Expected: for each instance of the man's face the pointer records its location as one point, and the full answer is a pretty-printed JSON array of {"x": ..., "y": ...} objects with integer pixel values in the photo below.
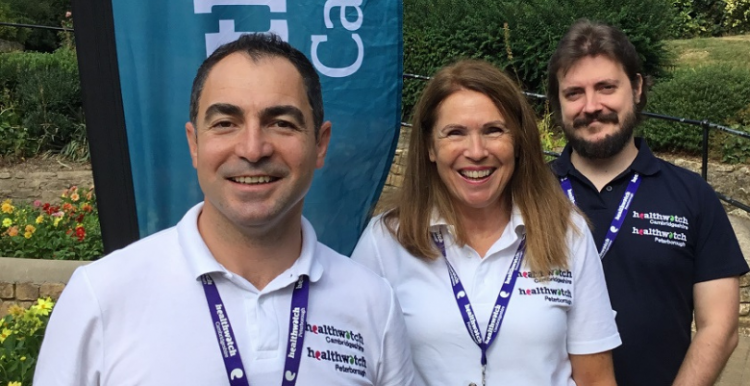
[
  {"x": 597, "y": 103},
  {"x": 253, "y": 143}
]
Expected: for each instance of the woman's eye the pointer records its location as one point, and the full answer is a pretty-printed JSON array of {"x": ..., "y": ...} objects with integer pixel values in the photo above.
[{"x": 496, "y": 130}]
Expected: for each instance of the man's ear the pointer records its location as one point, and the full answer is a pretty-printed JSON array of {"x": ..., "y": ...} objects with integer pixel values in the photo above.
[
  {"x": 192, "y": 137},
  {"x": 638, "y": 89},
  {"x": 324, "y": 138}
]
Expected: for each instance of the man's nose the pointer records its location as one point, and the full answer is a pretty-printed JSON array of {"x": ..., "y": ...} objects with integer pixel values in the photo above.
[
  {"x": 253, "y": 144},
  {"x": 593, "y": 104}
]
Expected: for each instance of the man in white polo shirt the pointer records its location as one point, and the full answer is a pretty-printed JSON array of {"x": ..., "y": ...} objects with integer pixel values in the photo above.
[{"x": 239, "y": 292}]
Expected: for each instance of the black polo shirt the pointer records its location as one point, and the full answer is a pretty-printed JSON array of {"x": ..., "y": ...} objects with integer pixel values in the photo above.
[{"x": 675, "y": 234}]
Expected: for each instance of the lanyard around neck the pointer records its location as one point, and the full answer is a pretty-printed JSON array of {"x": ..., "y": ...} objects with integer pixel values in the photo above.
[
  {"x": 622, "y": 209},
  {"x": 501, "y": 304},
  {"x": 228, "y": 344}
]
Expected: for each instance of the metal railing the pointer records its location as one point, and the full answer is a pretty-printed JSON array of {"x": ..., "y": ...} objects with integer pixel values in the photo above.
[
  {"x": 34, "y": 26},
  {"x": 705, "y": 125}
]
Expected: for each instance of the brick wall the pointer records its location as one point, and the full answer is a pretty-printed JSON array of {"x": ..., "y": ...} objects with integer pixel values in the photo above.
[{"x": 25, "y": 294}]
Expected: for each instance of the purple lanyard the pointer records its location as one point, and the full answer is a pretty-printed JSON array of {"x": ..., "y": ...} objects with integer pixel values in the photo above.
[
  {"x": 228, "y": 344},
  {"x": 622, "y": 209},
  {"x": 501, "y": 305}
]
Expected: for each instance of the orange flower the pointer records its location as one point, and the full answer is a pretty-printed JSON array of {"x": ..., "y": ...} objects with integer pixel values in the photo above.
[
  {"x": 67, "y": 206},
  {"x": 75, "y": 197},
  {"x": 86, "y": 208},
  {"x": 13, "y": 231}
]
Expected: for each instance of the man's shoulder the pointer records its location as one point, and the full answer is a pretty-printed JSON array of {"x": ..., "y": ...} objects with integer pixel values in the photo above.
[
  {"x": 148, "y": 255},
  {"x": 674, "y": 176}
]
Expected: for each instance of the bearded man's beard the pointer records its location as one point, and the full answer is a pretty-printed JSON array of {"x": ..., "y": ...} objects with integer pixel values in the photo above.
[{"x": 611, "y": 145}]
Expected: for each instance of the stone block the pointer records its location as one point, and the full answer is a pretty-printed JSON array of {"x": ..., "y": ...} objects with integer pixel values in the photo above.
[
  {"x": 52, "y": 290},
  {"x": 27, "y": 292},
  {"x": 744, "y": 309},
  {"x": 744, "y": 294},
  {"x": 84, "y": 175},
  {"x": 26, "y": 305},
  {"x": 42, "y": 175},
  {"x": 4, "y": 306},
  {"x": 7, "y": 291},
  {"x": 745, "y": 280},
  {"x": 5, "y": 176}
]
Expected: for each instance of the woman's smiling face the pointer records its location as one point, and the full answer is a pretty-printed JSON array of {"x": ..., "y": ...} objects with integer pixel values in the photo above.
[{"x": 473, "y": 150}]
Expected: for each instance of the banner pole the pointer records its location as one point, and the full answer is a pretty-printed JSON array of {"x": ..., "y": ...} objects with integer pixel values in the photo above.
[{"x": 105, "y": 122}]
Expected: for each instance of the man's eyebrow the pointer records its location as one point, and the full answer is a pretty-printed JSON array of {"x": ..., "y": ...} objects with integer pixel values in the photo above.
[
  {"x": 275, "y": 111},
  {"x": 223, "y": 109}
]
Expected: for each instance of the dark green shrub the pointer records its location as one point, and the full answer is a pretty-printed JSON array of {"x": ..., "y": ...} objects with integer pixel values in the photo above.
[
  {"x": 38, "y": 12},
  {"x": 717, "y": 93},
  {"x": 44, "y": 91},
  {"x": 694, "y": 18},
  {"x": 518, "y": 35}
]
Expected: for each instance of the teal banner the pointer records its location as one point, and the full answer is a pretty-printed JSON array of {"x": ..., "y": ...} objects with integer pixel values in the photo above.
[{"x": 356, "y": 46}]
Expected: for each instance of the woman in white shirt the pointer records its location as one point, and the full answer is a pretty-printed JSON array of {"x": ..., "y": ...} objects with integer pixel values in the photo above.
[{"x": 495, "y": 271}]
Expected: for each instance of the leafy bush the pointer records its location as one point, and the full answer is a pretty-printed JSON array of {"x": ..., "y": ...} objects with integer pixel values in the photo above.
[
  {"x": 43, "y": 89},
  {"x": 21, "y": 334},
  {"x": 695, "y": 18},
  {"x": 717, "y": 93},
  {"x": 39, "y": 12},
  {"x": 518, "y": 35},
  {"x": 68, "y": 231}
]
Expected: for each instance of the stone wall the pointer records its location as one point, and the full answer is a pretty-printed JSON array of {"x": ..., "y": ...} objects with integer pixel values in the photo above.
[
  {"x": 23, "y": 281},
  {"x": 731, "y": 180},
  {"x": 42, "y": 180}
]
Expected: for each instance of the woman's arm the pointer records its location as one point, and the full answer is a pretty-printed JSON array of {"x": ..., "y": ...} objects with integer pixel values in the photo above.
[{"x": 593, "y": 369}]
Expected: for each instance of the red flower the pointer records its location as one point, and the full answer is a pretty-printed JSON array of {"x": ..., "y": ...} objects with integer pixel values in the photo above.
[
  {"x": 80, "y": 217},
  {"x": 67, "y": 207},
  {"x": 80, "y": 233}
]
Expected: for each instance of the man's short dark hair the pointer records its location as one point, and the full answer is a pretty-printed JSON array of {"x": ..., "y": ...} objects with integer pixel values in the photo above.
[
  {"x": 589, "y": 39},
  {"x": 259, "y": 46}
]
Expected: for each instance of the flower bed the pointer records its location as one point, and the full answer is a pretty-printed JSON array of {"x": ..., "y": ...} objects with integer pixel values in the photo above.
[
  {"x": 21, "y": 334},
  {"x": 66, "y": 231}
]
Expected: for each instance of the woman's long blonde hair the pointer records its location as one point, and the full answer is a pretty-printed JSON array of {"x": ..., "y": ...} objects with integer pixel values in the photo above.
[{"x": 545, "y": 209}]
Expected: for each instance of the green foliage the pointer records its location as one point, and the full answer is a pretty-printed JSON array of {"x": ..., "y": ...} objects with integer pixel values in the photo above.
[
  {"x": 37, "y": 12},
  {"x": 717, "y": 93},
  {"x": 737, "y": 16},
  {"x": 518, "y": 35},
  {"x": 710, "y": 18},
  {"x": 66, "y": 231},
  {"x": 21, "y": 334},
  {"x": 43, "y": 89}
]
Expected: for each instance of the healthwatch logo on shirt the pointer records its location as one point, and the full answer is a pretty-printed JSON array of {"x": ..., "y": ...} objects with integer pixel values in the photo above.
[
  {"x": 341, "y": 337},
  {"x": 669, "y": 220},
  {"x": 345, "y": 363},
  {"x": 662, "y": 237}
]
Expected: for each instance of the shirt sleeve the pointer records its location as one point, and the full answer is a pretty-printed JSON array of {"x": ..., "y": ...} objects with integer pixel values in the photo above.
[
  {"x": 591, "y": 321},
  {"x": 717, "y": 252},
  {"x": 396, "y": 368},
  {"x": 72, "y": 349},
  {"x": 366, "y": 252}
]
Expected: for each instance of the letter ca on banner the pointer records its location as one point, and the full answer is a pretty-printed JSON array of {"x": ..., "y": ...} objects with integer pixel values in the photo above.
[{"x": 280, "y": 26}]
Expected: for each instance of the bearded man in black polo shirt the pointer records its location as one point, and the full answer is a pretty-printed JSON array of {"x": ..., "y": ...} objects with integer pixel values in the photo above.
[{"x": 667, "y": 246}]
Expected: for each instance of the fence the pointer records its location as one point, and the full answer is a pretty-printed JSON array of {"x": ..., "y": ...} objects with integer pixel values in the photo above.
[{"x": 705, "y": 125}]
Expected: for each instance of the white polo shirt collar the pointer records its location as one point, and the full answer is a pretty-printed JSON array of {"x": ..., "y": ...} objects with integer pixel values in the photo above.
[
  {"x": 515, "y": 229},
  {"x": 200, "y": 261}
]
